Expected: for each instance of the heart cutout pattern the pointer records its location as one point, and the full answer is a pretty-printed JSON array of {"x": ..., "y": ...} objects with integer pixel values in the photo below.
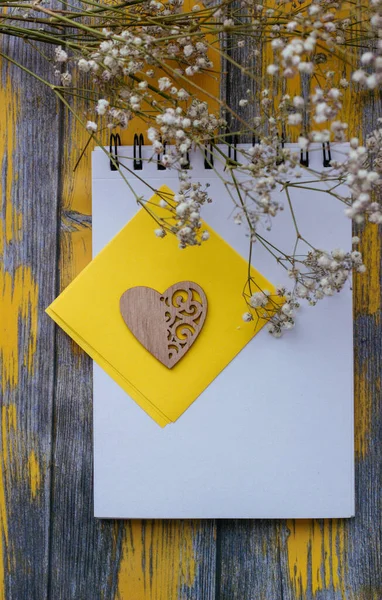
[{"x": 165, "y": 324}]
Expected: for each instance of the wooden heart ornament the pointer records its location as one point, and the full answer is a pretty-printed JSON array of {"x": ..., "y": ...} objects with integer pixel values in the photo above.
[{"x": 165, "y": 324}]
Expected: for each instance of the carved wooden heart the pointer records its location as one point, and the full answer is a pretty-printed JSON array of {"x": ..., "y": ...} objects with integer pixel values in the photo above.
[{"x": 165, "y": 324}]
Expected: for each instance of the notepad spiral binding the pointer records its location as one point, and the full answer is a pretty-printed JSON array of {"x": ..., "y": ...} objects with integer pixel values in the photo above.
[{"x": 232, "y": 143}]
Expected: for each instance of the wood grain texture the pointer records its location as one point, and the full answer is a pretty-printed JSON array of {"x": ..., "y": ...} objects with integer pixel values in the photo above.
[
  {"x": 51, "y": 547},
  {"x": 168, "y": 560},
  {"x": 28, "y": 249},
  {"x": 168, "y": 323},
  {"x": 333, "y": 559},
  {"x": 92, "y": 559}
]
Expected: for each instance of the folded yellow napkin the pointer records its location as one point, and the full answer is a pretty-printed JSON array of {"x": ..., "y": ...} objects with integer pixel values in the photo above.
[{"x": 89, "y": 311}]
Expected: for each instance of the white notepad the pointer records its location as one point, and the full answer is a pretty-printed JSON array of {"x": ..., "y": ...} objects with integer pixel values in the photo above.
[{"x": 272, "y": 435}]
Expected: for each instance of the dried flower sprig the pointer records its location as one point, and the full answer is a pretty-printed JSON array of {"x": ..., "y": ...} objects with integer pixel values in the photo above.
[{"x": 143, "y": 58}]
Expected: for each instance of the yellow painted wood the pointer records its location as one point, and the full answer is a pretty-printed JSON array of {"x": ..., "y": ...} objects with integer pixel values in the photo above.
[
  {"x": 172, "y": 545},
  {"x": 316, "y": 550},
  {"x": 351, "y": 111},
  {"x": 368, "y": 287},
  {"x": 18, "y": 309},
  {"x": 316, "y": 557},
  {"x": 158, "y": 560},
  {"x": 154, "y": 560},
  {"x": 34, "y": 474},
  {"x": 10, "y": 226},
  {"x": 18, "y": 301}
]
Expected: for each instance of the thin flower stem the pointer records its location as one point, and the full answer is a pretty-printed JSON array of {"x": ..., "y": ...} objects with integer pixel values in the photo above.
[
  {"x": 300, "y": 186},
  {"x": 292, "y": 213}
]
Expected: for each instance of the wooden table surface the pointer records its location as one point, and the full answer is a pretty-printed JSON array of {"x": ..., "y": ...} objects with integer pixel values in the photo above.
[{"x": 51, "y": 547}]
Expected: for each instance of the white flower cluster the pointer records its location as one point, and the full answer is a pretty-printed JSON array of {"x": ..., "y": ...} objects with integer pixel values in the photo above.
[
  {"x": 291, "y": 56},
  {"x": 185, "y": 209},
  {"x": 60, "y": 55},
  {"x": 280, "y": 317},
  {"x": 317, "y": 24},
  {"x": 269, "y": 164},
  {"x": 129, "y": 52},
  {"x": 122, "y": 61},
  {"x": 326, "y": 104},
  {"x": 363, "y": 181},
  {"x": 370, "y": 73},
  {"x": 181, "y": 129},
  {"x": 323, "y": 273},
  {"x": 147, "y": 69},
  {"x": 61, "y": 58},
  {"x": 259, "y": 299},
  {"x": 320, "y": 274},
  {"x": 191, "y": 51},
  {"x": 283, "y": 319},
  {"x": 124, "y": 54}
]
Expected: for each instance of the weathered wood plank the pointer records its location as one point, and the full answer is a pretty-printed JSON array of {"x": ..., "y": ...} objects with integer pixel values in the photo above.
[
  {"x": 249, "y": 560},
  {"x": 241, "y": 71},
  {"x": 167, "y": 560},
  {"x": 329, "y": 560},
  {"x": 90, "y": 558},
  {"x": 28, "y": 225},
  {"x": 84, "y": 552},
  {"x": 325, "y": 560},
  {"x": 82, "y": 558}
]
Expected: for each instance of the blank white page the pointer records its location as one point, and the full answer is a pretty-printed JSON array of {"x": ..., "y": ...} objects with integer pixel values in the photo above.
[{"x": 272, "y": 435}]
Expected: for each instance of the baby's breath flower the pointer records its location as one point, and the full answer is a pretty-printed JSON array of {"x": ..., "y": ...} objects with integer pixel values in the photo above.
[
  {"x": 60, "y": 55},
  {"x": 91, "y": 126},
  {"x": 359, "y": 76},
  {"x": 102, "y": 106},
  {"x": 84, "y": 65},
  {"x": 161, "y": 44},
  {"x": 164, "y": 83},
  {"x": 66, "y": 78},
  {"x": 272, "y": 69},
  {"x": 258, "y": 299},
  {"x": 188, "y": 50},
  {"x": 306, "y": 67},
  {"x": 247, "y": 317},
  {"x": 294, "y": 119}
]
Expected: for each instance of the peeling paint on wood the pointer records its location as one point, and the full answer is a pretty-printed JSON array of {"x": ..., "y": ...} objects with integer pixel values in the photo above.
[
  {"x": 28, "y": 209},
  {"x": 161, "y": 561},
  {"x": 315, "y": 557},
  {"x": 11, "y": 219},
  {"x": 34, "y": 474},
  {"x": 51, "y": 547},
  {"x": 18, "y": 305}
]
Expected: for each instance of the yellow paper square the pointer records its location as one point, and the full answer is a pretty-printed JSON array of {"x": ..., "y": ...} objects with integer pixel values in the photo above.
[{"x": 88, "y": 310}]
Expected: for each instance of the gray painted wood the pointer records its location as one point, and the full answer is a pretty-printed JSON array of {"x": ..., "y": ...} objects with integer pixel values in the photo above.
[
  {"x": 86, "y": 554},
  {"x": 237, "y": 85},
  {"x": 31, "y": 254},
  {"x": 254, "y": 558},
  {"x": 54, "y": 548}
]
